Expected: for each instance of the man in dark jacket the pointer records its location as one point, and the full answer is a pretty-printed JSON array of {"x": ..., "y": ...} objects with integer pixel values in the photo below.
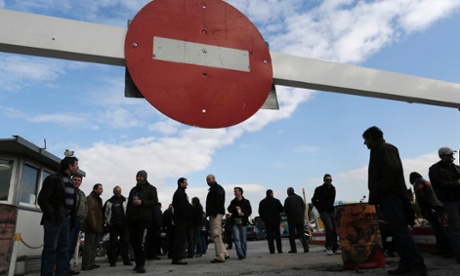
[
  {"x": 215, "y": 209},
  {"x": 115, "y": 218},
  {"x": 432, "y": 210},
  {"x": 92, "y": 226},
  {"x": 388, "y": 190},
  {"x": 323, "y": 199},
  {"x": 445, "y": 178},
  {"x": 182, "y": 217},
  {"x": 294, "y": 207},
  {"x": 168, "y": 227},
  {"x": 57, "y": 200},
  {"x": 241, "y": 209},
  {"x": 141, "y": 200},
  {"x": 270, "y": 210}
]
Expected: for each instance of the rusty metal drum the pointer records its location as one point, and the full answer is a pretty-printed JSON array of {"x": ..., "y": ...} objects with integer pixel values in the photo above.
[{"x": 359, "y": 232}]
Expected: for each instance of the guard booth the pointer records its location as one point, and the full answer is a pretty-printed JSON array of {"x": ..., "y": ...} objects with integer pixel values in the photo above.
[{"x": 23, "y": 167}]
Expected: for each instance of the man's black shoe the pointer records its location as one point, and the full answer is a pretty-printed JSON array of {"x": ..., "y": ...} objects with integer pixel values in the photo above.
[
  {"x": 128, "y": 263},
  {"x": 87, "y": 268},
  {"x": 215, "y": 261},
  {"x": 179, "y": 262},
  {"x": 397, "y": 271},
  {"x": 291, "y": 251},
  {"x": 227, "y": 257},
  {"x": 73, "y": 272},
  {"x": 140, "y": 269},
  {"x": 96, "y": 266}
]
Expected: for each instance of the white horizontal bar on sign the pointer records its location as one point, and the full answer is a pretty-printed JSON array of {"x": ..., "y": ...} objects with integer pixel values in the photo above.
[{"x": 180, "y": 51}]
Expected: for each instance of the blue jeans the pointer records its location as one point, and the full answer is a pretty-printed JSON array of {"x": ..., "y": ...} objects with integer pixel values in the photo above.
[
  {"x": 410, "y": 257},
  {"x": 199, "y": 241},
  {"x": 239, "y": 237},
  {"x": 330, "y": 224},
  {"x": 73, "y": 239},
  {"x": 452, "y": 210},
  {"x": 55, "y": 248}
]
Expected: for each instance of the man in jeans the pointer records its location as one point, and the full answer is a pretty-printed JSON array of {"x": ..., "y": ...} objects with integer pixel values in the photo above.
[
  {"x": 240, "y": 208},
  {"x": 56, "y": 200},
  {"x": 215, "y": 209},
  {"x": 323, "y": 199}
]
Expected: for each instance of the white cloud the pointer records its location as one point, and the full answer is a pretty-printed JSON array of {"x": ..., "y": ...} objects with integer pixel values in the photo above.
[{"x": 16, "y": 71}]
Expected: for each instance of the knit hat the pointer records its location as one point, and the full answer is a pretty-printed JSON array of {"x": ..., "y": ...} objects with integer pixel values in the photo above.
[{"x": 142, "y": 173}]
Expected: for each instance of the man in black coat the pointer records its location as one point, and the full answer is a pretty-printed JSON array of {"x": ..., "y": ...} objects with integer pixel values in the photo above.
[
  {"x": 215, "y": 209},
  {"x": 142, "y": 198},
  {"x": 57, "y": 200},
  {"x": 387, "y": 189},
  {"x": 270, "y": 209},
  {"x": 294, "y": 207},
  {"x": 183, "y": 218},
  {"x": 323, "y": 199}
]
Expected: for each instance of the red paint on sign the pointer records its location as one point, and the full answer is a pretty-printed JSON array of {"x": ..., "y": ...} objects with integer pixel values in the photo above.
[{"x": 194, "y": 93}]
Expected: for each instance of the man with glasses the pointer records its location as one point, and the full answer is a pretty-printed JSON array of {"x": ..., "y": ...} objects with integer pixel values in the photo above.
[
  {"x": 323, "y": 199},
  {"x": 445, "y": 179}
]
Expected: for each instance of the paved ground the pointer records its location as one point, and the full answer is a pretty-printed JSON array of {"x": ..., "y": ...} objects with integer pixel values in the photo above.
[{"x": 260, "y": 262}]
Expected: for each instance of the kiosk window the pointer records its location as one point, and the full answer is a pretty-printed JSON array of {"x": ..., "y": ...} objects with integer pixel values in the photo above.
[
  {"x": 6, "y": 171},
  {"x": 30, "y": 179}
]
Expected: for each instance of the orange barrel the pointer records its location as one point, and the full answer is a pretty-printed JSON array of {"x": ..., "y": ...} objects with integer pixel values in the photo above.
[
  {"x": 359, "y": 233},
  {"x": 8, "y": 216}
]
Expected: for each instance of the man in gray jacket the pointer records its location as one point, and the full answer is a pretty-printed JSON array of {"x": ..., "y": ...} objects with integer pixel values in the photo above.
[{"x": 81, "y": 211}]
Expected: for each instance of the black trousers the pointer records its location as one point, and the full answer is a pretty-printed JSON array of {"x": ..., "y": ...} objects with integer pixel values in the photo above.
[
  {"x": 273, "y": 233},
  {"x": 293, "y": 228},
  {"x": 137, "y": 232},
  {"x": 180, "y": 240},
  {"x": 115, "y": 248}
]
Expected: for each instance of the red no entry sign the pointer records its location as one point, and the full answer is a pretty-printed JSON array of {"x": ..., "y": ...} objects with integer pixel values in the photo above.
[{"x": 200, "y": 62}]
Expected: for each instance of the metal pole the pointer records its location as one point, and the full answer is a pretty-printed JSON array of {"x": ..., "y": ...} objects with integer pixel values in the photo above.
[{"x": 14, "y": 255}]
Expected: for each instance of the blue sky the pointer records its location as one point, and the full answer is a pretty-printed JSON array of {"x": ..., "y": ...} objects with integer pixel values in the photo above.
[{"x": 81, "y": 106}]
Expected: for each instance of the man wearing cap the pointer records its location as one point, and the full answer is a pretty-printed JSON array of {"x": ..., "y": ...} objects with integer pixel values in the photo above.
[
  {"x": 142, "y": 198},
  {"x": 445, "y": 179}
]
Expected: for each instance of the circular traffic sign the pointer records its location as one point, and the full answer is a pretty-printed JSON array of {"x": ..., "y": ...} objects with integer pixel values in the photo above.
[{"x": 200, "y": 62}]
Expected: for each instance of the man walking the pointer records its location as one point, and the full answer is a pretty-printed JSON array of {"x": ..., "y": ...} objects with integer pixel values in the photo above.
[
  {"x": 56, "y": 200},
  {"x": 215, "y": 209},
  {"x": 323, "y": 199},
  {"x": 445, "y": 178},
  {"x": 115, "y": 218},
  {"x": 182, "y": 218},
  {"x": 92, "y": 226},
  {"x": 294, "y": 207},
  {"x": 80, "y": 211},
  {"x": 388, "y": 190},
  {"x": 270, "y": 210},
  {"x": 241, "y": 209},
  {"x": 142, "y": 198}
]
